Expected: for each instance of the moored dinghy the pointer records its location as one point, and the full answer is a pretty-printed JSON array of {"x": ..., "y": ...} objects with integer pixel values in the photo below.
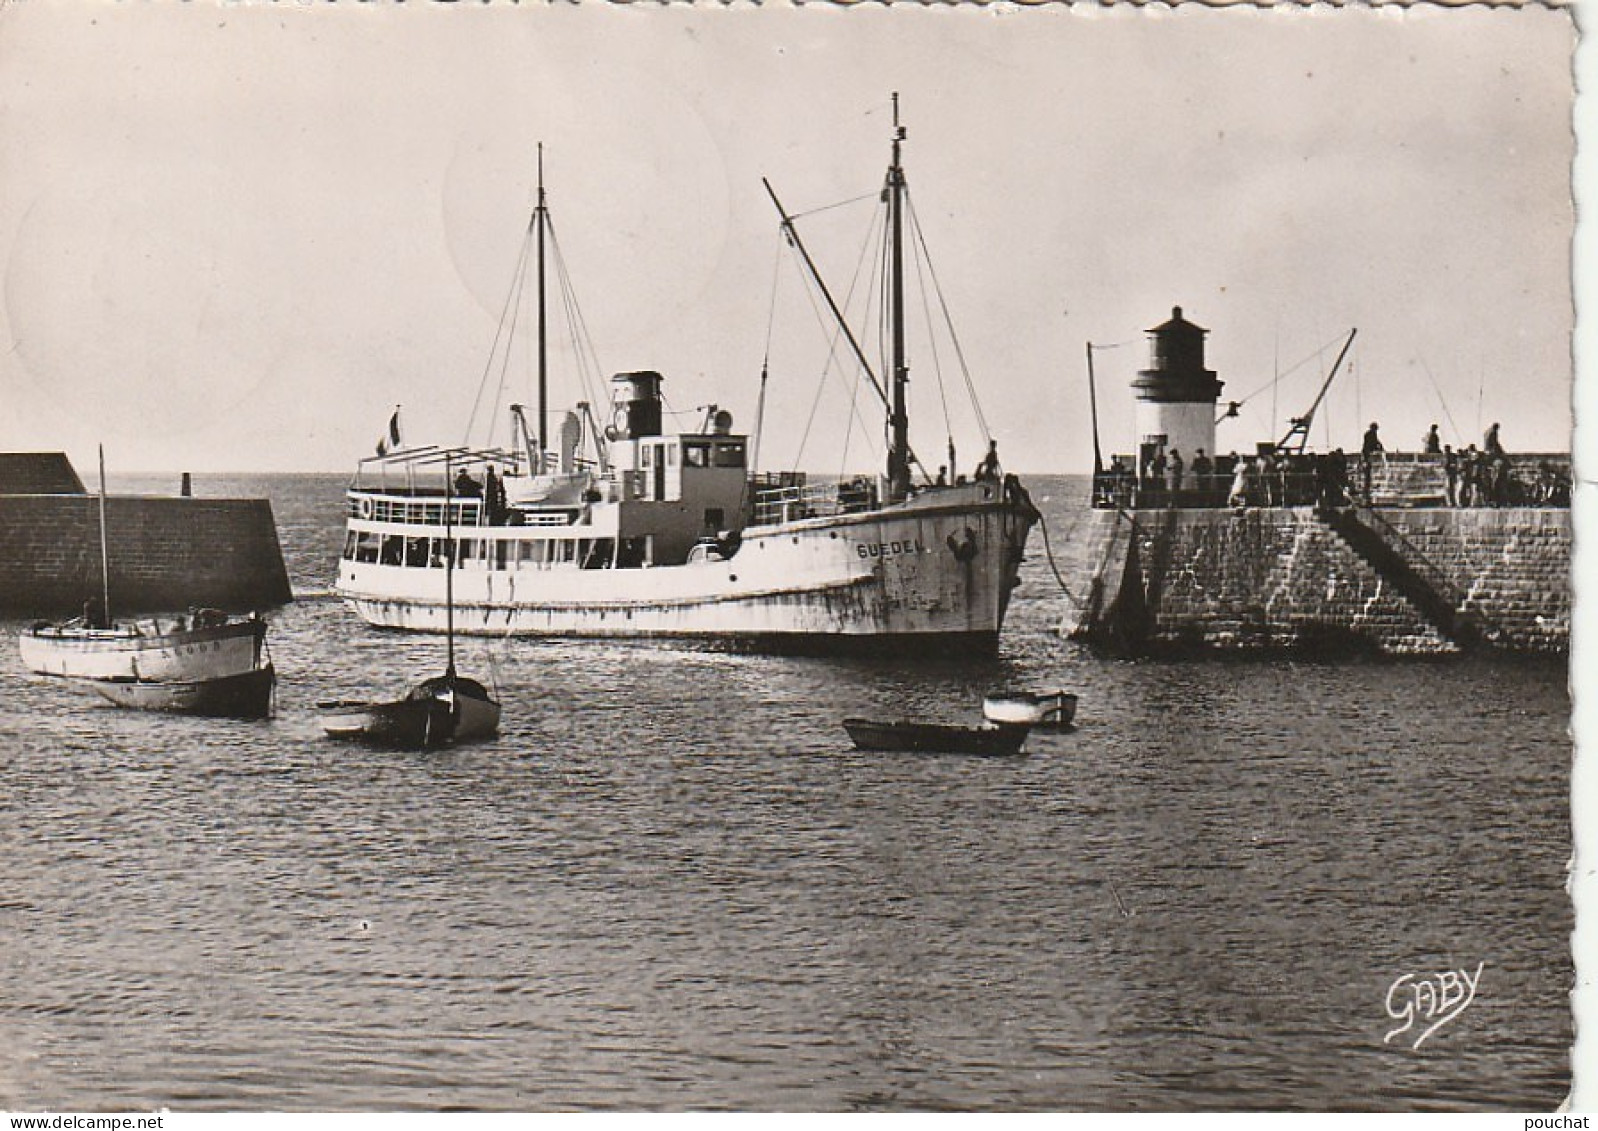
[
  {"x": 1026, "y": 708},
  {"x": 247, "y": 695},
  {"x": 934, "y": 738}
]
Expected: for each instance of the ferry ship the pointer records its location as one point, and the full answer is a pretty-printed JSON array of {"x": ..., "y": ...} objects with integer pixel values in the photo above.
[{"x": 634, "y": 530}]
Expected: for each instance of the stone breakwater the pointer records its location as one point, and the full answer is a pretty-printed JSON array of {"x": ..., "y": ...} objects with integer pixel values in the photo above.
[
  {"x": 1389, "y": 579},
  {"x": 166, "y": 552}
]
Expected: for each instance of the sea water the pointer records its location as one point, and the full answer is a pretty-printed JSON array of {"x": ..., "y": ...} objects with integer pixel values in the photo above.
[{"x": 672, "y": 883}]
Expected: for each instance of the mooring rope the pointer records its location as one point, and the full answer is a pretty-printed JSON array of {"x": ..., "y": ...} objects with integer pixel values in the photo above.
[{"x": 1048, "y": 549}]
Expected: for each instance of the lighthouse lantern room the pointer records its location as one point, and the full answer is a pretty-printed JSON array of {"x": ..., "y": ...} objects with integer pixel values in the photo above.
[{"x": 1176, "y": 395}]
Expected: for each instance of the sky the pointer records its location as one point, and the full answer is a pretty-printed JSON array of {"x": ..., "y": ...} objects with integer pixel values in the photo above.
[{"x": 236, "y": 237}]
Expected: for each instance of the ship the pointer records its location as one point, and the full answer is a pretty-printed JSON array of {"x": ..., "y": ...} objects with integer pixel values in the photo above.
[{"x": 635, "y": 530}]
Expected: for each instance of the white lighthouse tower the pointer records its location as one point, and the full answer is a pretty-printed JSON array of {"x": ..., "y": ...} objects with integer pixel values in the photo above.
[{"x": 1176, "y": 395}]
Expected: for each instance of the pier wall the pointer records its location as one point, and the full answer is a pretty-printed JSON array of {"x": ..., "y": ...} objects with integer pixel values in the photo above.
[
  {"x": 38, "y": 473},
  {"x": 166, "y": 553},
  {"x": 1283, "y": 577}
]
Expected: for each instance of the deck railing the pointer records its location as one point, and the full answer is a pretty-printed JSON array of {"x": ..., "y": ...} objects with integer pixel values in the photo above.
[
  {"x": 414, "y": 510},
  {"x": 795, "y": 501}
]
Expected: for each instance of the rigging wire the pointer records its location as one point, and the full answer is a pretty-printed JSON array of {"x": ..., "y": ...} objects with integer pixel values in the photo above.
[
  {"x": 873, "y": 195},
  {"x": 1459, "y": 437},
  {"x": 499, "y": 331},
  {"x": 976, "y": 404},
  {"x": 765, "y": 362},
  {"x": 937, "y": 361},
  {"x": 1319, "y": 354},
  {"x": 504, "y": 365},
  {"x": 576, "y": 322},
  {"x": 836, "y": 331}
]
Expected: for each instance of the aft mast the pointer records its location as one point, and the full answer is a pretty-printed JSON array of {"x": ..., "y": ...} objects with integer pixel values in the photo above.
[
  {"x": 449, "y": 570},
  {"x": 541, "y": 220},
  {"x": 898, "y": 418}
]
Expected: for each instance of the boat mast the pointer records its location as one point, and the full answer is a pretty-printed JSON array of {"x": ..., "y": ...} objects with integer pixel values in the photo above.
[
  {"x": 449, "y": 568},
  {"x": 1093, "y": 410},
  {"x": 541, "y": 216},
  {"x": 898, "y": 419},
  {"x": 105, "y": 553}
]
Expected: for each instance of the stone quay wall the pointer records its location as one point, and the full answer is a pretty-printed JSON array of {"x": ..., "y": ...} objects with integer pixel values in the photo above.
[
  {"x": 38, "y": 473},
  {"x": 166, "y": 554},
  {"x": 1282, "y": 577}
]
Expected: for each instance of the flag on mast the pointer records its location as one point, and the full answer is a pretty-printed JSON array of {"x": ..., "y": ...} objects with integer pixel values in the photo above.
[{"x": 390, "y": 442}]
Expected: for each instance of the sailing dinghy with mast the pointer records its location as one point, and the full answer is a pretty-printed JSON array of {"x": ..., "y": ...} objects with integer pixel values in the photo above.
[
  {"x": 440, "y": 710},
  {"x": 635, "y": 531},
  {"x": 203, "y": 662}
]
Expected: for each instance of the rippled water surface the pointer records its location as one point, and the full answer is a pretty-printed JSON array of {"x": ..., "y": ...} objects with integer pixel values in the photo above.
[{"x": 671, "y": 883}]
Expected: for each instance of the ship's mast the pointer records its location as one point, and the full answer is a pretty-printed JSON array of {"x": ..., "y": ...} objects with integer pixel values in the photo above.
[
  {"x": 541, "y": 216},
  {"x": 898, "y": 419},
  {"x": 449, "y": 568},
  {"x": 105, "y": 552}
]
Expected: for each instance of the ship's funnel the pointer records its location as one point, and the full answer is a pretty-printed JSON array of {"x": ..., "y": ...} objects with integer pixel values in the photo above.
[{"x": 636, "y": 400}]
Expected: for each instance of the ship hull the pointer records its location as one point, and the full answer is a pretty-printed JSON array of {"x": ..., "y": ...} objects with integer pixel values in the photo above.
[
  {"x": 928, "y": 570},
  {"x": 143, "y": 653},
  {"x": 414, "y": 723},
  {"x": 244, "y": 696}
]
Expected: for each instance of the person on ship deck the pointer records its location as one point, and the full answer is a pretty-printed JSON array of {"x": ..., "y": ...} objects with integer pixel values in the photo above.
[{"x": 988, "y": 469}]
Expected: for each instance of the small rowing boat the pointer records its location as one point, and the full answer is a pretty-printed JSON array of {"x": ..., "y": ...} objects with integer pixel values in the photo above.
[
  {"x": 1024, "y": 708},
  {"x": 244, "y": 695},
  {"x": 935, "y": 738}
]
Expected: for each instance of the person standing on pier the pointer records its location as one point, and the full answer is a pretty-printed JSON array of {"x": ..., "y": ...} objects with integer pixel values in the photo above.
[
  {"x": 1238, "y": 496},
  {"x": 1490, "y": 443},
  {"x": 1174, "y": 471},
  {"x": 1201, "y": 471},
  {"x": 1433, "y": 443},
  {"x": 1369, "y": 449},
  {"x": 1451, "y": 471},
  {"x": 1469, "y": 469}
]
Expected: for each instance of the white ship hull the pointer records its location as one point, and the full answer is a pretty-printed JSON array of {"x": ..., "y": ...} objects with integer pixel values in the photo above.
[
  {"x": 143, "y": 651},
  {"x": 940, "y": 565}
]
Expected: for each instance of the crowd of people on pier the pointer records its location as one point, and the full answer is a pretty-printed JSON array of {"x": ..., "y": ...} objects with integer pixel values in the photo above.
[{"x": 1473, "y": 477}]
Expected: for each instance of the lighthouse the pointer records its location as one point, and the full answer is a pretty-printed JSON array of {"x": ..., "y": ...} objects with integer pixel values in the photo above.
[{"x": 1176, "y": 395}]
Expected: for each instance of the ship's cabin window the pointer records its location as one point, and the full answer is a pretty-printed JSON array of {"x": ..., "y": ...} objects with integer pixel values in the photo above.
[
  {"x": 729, "y": 453},
  {"x": 366, "y": 546},
  {"x": 416, "y": 552},
  {"x": 695, "y": 454},
  {"x": 649, "y": 455},
  {"x": 393, "y": 550}
]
